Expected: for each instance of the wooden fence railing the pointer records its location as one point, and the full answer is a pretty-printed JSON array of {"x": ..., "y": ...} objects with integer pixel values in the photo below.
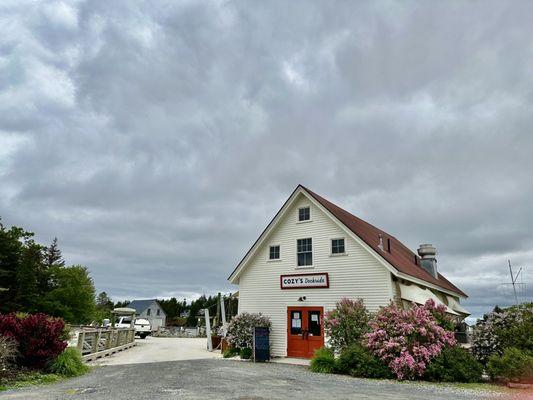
[{"x": 94, "y": 343}]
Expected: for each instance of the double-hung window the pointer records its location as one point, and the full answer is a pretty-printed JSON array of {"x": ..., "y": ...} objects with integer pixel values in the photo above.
[
  {"x": 274, "y": 253},
  {"x": 305, "y": 252},
  {"x": 337, "y": 246}
]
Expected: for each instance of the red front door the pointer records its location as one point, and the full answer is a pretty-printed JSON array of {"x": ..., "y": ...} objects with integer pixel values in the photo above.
[{"x": 305, "y": 331}]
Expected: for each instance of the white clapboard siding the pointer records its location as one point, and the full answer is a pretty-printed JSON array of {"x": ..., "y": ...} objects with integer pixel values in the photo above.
[{"x": 354, "y": 275}]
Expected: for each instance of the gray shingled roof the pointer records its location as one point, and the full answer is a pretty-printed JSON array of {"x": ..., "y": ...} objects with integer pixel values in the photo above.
[{"x": 141, "y": 305}]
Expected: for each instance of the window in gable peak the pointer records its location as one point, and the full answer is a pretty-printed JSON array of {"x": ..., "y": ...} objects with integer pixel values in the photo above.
[{"x": 304, "y": 214}]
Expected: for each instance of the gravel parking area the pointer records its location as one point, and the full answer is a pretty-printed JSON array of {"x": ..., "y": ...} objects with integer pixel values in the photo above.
[
  {"x": 153, "y": 349},
  {"x": 228, "y": 379}
]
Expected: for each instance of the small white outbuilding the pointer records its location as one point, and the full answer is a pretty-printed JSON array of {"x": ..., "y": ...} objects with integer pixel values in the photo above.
[{"x": 151, "y": 310}]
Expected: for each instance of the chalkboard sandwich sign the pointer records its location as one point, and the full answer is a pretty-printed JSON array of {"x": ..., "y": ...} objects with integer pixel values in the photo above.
[{"x": 261, "y": 344}]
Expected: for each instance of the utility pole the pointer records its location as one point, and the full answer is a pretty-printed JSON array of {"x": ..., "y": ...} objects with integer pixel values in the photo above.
[
  {"x": 223, "y": 312},
  {"x": 208, "y": 330},
  {"x": 217, "y": 318}
]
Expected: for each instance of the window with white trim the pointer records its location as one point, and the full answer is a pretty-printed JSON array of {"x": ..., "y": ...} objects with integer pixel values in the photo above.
[
  {"x": 304, "y": 249},
  {"x": 304, "y": 214},
  {"x": 337, "y": 246},
  {"x": 274, "y": 253}
]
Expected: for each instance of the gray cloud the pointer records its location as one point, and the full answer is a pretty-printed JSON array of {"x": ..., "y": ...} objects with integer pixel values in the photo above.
[{"x": 156, "y": 140}]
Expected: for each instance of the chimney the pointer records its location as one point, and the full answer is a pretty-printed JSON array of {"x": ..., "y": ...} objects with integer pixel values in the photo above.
[{"x": 428, "y": 260}]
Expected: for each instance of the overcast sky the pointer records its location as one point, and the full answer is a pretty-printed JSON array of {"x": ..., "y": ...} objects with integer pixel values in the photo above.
[{"x": 157, "y": 139}]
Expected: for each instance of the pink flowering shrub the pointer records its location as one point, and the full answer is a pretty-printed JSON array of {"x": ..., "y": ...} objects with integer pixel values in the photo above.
[
  {"x": 407, "y": 340},
  {"x": 347, "y": 323}
]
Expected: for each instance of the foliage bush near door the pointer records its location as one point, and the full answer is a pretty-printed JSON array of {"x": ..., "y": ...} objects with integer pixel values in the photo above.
[
  {"x": 240, "y": 334},
  {"x": 347, "y": 323},
  {"x": 323, "y": 361},
  {"x": 356, "y": 360}
]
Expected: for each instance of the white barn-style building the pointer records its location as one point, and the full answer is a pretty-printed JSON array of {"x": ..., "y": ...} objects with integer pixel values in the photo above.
[{"x": 312, "y": 254}]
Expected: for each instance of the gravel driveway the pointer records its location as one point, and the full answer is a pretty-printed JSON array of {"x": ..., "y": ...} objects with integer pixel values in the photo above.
[
  {"x": 154, "y": 349},
  {"x": 228, "y": 379}
]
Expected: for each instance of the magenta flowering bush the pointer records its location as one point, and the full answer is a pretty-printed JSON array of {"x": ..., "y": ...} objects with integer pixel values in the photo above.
[
  {"x": 407, "y": 340},
  {"x": 347, "y": 323}
]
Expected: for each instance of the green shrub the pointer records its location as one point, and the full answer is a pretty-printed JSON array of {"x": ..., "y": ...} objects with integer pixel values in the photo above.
[
  {"x": 347, "y": 323},
  {"x": 231, "y": 352},
  {"x": 246, "y": 353},
  {"x": 323, "y": 361},
  {"x": 502, "y": 329},
  {"x": 519, "y": 335},
  {"x": 513, "y": 365},
  {"x": 356, "y": 360},
  {"x": 240, "y": 332},
  {"x": 454, "y": 364},
  {"x": 68, "y": 363}
]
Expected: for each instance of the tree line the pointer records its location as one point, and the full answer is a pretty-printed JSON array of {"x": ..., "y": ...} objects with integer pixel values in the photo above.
[
  {"x": 182, "y": 313},
  {"x": 34, "y": 278}
]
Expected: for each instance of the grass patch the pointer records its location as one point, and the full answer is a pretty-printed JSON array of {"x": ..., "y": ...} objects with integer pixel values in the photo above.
[
  {"x": 30, "y": 378},
  {"x": 475, "y": 386},
  {"x": 68, "y": 364},
  {"x": 481, "y": 386}
]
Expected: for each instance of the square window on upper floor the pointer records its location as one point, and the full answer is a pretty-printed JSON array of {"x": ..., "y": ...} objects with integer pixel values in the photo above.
[
  {"x": 274, "y": 253},
  {"x": 304, "y": 214},
  {"x": 337, "y": 246}
]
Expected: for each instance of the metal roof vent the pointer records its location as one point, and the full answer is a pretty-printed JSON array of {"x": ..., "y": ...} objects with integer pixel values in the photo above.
[{"x": 428, "y": 254}]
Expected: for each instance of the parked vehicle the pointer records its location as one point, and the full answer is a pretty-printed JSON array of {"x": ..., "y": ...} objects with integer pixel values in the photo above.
[{"x": 142, "y": 326}]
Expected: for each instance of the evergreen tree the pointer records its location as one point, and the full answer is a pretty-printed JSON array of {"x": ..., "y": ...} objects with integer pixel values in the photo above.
[
  {"x": 33, "y": 278},
  {"x": 21, "y": 270},
  {"x": 196, "y": 307},
  {"x": 173, "y": 309},
  {"x": 104, "y": 302},
  {"x": 120, "y": 304},
  {"x": 53, "y": 255}
]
